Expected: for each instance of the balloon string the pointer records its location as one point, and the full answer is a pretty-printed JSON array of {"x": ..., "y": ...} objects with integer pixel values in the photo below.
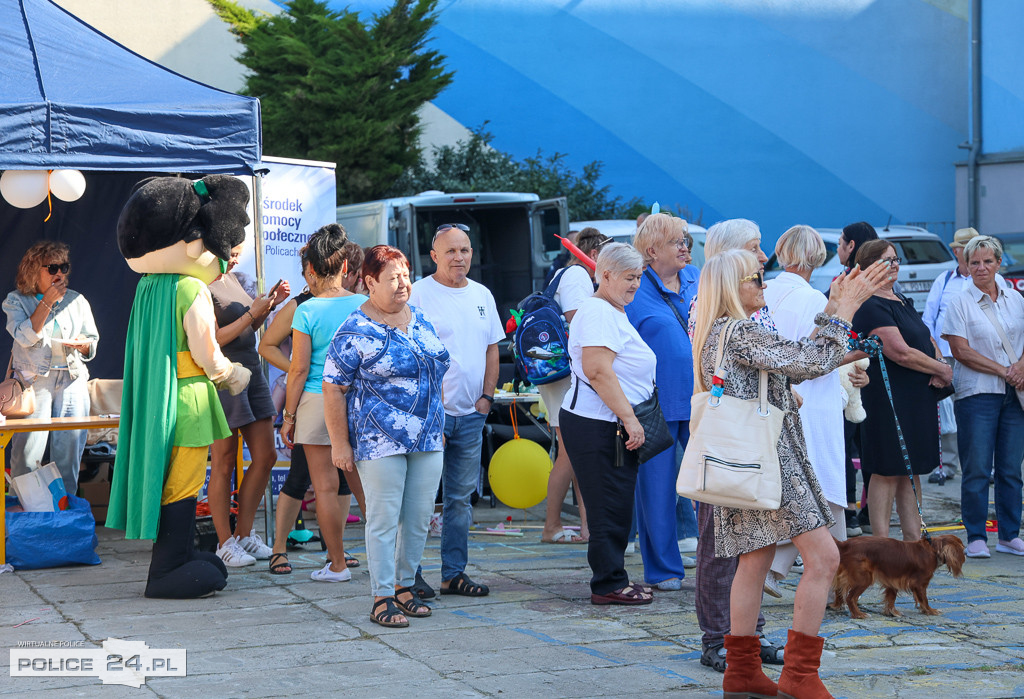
[
  {"x": 49, "y": 200},
  {"x": 512, "y": 412}
]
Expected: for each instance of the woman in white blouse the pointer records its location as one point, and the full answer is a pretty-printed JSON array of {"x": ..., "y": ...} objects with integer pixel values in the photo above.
[
  {"x": 793, "y": 303},
  {"x": 985, "y": 330},
  {"x": 612, "y": 370}
]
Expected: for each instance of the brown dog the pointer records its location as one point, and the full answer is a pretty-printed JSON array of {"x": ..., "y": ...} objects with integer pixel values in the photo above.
[{"x": 896, "y": 566}]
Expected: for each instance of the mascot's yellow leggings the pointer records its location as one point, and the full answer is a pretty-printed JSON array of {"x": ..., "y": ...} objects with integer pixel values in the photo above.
[{"x": 186, "y": 475}]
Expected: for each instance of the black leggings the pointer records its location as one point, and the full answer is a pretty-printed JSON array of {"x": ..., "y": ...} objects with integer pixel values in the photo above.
[
  {"x": 297, "y": 482},
  {"x": 608, "y": 491}
]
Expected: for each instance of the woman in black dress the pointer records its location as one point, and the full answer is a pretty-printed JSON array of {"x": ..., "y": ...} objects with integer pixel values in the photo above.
[{"x": 914, "y": 365}]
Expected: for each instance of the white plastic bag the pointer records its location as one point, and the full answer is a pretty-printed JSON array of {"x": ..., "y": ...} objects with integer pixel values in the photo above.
[{"x": 41, "y": 490}]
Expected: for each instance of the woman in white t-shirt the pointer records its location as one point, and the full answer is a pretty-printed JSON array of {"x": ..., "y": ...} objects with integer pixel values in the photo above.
[
  {"x": 575, "y": 285},
  {"x": 612, "y": 370}
]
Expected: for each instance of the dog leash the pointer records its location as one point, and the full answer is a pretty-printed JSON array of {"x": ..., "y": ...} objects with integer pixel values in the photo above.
[{"x": 872, "y": 346}]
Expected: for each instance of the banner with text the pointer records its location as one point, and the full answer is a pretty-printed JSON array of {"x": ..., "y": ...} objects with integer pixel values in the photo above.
[{"x": 298, "y": 198}]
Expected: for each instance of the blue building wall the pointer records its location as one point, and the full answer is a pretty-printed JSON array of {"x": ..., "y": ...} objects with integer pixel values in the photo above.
[
  {"x": 783, "y": 111},
  {"x": 1002, "y": 76}
]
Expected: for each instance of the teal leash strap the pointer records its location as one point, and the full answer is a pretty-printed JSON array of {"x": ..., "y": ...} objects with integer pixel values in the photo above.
[{"x": 872, "y": 346}]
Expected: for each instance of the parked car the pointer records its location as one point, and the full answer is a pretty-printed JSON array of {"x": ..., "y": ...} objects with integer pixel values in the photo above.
[
  {"x": 623, "y": 230},
  {"x": 924, "y": 257},
  {"x": 1012, "y": 268}
]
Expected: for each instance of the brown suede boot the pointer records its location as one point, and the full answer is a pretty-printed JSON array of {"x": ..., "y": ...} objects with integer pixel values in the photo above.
[
  {"x": 743, "y": 675},
  {"x": 799, "y": 678}
]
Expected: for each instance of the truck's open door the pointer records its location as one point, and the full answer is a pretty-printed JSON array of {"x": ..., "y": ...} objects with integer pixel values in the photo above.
[
  {"x": 547, "y": 217},
  {"x": 404, "y": 235}
]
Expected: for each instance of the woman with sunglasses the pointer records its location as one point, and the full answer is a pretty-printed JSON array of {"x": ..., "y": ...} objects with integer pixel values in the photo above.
[
  {"x": 54, "y": 334},
  {"x": 914, "y": 365},
  {"x": 731, "y": 288}
]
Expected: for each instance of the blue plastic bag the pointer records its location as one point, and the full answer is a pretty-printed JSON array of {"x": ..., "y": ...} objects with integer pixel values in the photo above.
[{"x": 51, "y": 539}]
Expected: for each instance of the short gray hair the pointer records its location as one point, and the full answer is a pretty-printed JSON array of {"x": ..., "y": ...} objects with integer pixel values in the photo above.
[
  {"x": 732, "y": 234},
  {"x": 617, "y": 258},
  {"x": 801, "y": 247},
  {"x": 983, "y": 241}
]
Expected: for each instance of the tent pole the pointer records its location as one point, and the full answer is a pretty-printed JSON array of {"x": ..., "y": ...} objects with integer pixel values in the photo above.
[{"x": 261, "y": 287}]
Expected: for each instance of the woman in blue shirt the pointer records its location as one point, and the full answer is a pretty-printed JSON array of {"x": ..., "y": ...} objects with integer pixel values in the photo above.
[
  {"x": 659, "y": 313},
  {"x": 382, "y": 394},
  {"x": 313, "y": 327}
]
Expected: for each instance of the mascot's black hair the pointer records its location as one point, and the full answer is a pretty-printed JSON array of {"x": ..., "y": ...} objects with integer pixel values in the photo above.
[{"x": 162, "y": 211}]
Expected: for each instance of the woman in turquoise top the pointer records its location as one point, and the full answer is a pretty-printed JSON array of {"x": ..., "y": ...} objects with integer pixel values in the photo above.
[
  {"x": 313, "y": 328},
  {"x": 54, "y": 334}
]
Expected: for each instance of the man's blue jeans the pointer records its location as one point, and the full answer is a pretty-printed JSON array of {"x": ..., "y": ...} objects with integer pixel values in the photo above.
[
  {"x": 990, "y": 426},
  {"x": 464, "y": 437}
]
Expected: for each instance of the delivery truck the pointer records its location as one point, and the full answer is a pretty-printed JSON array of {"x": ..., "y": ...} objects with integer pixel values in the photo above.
[{"x": 512, "y": 234}]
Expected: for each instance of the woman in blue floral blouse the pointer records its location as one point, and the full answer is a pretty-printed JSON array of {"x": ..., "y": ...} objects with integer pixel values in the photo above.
[{"x": 382, "y": 398}]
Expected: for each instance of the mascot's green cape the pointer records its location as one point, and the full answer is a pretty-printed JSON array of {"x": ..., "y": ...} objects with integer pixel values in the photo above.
[{"x": 148, "y": 409}]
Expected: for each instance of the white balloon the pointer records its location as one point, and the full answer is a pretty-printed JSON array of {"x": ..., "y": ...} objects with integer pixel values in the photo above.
[
  {"x": 24, "y": 188},
  {"x": 67, "y": 185}
]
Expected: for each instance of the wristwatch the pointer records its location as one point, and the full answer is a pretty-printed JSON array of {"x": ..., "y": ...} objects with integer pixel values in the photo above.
[{"x": 489, "y": 399}]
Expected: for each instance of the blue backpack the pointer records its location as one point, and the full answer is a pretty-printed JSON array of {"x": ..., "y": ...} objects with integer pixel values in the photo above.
[{"x": 541, "y": 340}]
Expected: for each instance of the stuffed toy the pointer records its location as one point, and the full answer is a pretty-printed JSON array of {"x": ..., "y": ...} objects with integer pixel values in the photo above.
[
  {"x": 178, "y": 233},
  {"x": 854, "y": 410}
]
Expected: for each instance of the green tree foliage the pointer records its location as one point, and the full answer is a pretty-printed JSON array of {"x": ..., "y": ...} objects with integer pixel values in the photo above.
[
  {"x": 334, "y": 88},
  {"x": 474, "y": 166}
]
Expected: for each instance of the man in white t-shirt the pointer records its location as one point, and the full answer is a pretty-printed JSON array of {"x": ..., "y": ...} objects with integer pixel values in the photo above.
[{"x": 466, "y": 319}]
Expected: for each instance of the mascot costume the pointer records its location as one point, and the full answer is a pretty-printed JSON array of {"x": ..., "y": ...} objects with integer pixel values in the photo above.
[{"x": 178, "y": 233}]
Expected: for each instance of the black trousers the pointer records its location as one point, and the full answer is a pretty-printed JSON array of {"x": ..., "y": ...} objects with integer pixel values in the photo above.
[{"x": 607, "y": 490}]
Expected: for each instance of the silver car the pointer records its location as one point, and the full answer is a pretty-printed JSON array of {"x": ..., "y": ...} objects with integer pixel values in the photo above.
[{"x": 924, "y": 257}]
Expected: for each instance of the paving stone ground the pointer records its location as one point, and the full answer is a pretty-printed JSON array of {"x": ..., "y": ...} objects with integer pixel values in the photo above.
[{"x": 536, "y": 634}]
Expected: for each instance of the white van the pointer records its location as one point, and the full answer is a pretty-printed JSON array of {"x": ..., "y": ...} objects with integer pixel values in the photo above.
[
  {"x": 623, "y": 230},
  {"x": 512, "y": 235}
]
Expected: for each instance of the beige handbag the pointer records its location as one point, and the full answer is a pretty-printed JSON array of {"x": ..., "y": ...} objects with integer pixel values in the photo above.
[
  {"x": 732, "y": 457},
  {"x": 17, "y": 398}
]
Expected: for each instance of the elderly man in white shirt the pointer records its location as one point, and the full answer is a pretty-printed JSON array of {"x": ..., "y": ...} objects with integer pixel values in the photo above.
[{"x": 946, "y": 287}]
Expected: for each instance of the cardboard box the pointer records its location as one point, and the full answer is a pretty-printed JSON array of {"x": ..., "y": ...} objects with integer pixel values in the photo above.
[{"x": 97, "y": 492}]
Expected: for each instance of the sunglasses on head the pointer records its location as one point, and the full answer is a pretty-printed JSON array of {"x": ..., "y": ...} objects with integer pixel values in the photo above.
[
  {"x": 63, "y": 268},
  {"x": 448, "y": 226},
  {"x": 756, "y": 276}
]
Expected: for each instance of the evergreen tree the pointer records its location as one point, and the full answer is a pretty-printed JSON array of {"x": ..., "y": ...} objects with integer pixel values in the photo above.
[{"x": 334, "y": 88}]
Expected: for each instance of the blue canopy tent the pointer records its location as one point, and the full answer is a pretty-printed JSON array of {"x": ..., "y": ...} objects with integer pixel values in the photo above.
[{"x": 72, "y": 98}]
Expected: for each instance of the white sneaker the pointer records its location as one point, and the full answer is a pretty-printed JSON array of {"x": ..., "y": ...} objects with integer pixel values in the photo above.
[
  {"x": 689, "y": 562},
  {"x": 978, "y": 549},
  {"x": 771, "y": 585},
  {"x": 798, "y": 565},
  {"x": 233, "y": 555},
  {"x": 688, "y": 545},
  {"x": 630, "y": 548},
  {"x": 1016, "y": 547},
  {"x": 325, "y": 574},
  {"x": 254, "y": 546}
]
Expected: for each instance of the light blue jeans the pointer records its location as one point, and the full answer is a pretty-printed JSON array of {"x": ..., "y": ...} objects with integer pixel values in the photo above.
[
  {"x": 57, "y": 395},
  {"x": 399, "y": 494},
  {"x": 464, "y": 438}
]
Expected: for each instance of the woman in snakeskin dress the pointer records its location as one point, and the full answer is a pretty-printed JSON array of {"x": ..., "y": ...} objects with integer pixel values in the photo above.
[{"x": 731, "y": 287}]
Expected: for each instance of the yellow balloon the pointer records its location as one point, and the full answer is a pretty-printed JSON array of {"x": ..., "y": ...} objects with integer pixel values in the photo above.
[{"x": 519, "y": 473}]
